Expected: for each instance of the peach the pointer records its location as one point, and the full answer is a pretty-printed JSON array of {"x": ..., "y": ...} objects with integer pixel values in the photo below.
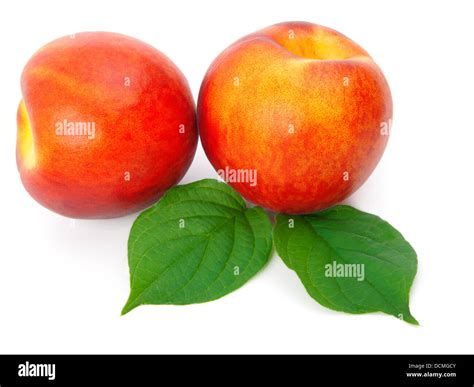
[
  {"x": 303, "y": 107},
  {"x": 106, "y": 125}
]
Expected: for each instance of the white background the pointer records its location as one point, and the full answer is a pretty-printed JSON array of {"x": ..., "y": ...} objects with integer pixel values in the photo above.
[{"x": 62, "y": 285}]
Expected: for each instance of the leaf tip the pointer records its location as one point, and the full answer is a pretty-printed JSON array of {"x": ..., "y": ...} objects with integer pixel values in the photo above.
[
  {"x": 129, "y": 306},
  {"x": 412, "y": 320},
  {"x": 408, "y": 318}
]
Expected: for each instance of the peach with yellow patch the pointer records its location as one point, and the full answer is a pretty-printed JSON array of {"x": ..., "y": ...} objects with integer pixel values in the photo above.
[
  {"x": 304, "y": 107},
  {"x": 107, "y": 124}
]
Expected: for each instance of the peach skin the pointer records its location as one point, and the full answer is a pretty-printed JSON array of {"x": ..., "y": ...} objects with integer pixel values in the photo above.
[
  {"x": 300, "y": 107},
  {"x": 106, "y": 125}
]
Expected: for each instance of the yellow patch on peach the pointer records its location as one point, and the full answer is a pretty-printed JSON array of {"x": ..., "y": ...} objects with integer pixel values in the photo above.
[{"x": 26, "y": 144}]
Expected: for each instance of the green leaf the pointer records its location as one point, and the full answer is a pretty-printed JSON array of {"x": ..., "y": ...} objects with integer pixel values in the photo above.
[
  {"x": 197, "y": 244},
  {"x": 349, "y": 260}
]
